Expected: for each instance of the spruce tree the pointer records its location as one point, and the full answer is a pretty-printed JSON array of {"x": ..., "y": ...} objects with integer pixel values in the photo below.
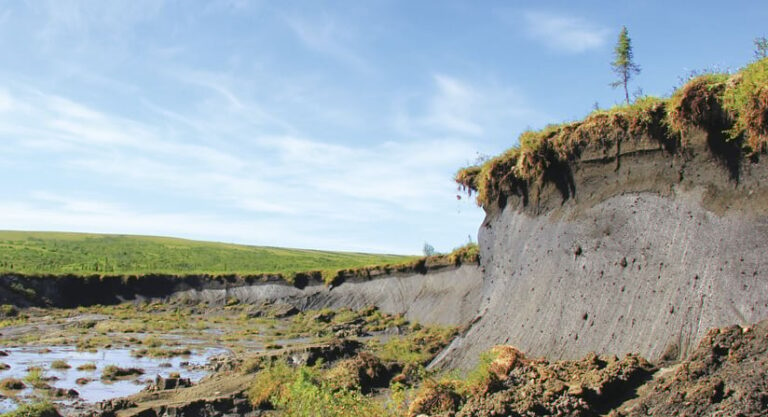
[{"x": 623, "y": 65}]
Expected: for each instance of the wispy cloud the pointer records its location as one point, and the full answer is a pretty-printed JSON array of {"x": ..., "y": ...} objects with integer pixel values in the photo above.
[
  {"x": 460, "y": 108},
  {"x": 325, "y": 35},
  {"x": 564, "y": 33},
  {"x": 281, "y": 177}
]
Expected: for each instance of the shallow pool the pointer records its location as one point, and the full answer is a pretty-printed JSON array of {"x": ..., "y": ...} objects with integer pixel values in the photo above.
[{"x": 21, "y": 358}]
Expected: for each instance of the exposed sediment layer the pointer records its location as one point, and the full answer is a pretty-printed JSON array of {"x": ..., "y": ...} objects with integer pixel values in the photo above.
[
  {"x": 631, "y": 249},
  {"x": 443, "y": 295}
]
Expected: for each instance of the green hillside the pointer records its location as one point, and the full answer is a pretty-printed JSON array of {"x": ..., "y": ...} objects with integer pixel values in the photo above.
[{"x": 86, "y": 254}]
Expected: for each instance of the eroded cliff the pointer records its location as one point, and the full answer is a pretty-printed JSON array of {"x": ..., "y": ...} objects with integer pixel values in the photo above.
[{"x": 622, "y": 234}]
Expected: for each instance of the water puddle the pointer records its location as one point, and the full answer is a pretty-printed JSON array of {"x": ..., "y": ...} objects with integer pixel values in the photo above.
[{"x": 20, "y": 359}]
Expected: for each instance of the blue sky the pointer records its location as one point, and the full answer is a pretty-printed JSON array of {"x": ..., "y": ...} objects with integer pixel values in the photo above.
[{"x": 332, "y": 125}]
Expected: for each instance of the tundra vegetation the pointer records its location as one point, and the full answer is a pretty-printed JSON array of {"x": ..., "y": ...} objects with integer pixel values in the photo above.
[{"x": 734, "y": 104}]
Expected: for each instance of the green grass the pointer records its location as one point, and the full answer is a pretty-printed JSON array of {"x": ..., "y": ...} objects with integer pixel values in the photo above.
[
  {"x": 39, "y": 409},
  {"x": 88, "y": 254}
]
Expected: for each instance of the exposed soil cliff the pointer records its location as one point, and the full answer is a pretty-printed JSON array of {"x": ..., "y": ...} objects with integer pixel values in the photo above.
[
  {"x": 439, "y": 294},
  {"x": 620, "y": 235}
]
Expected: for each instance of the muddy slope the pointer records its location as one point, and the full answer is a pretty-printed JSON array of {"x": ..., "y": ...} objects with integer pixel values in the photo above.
[
  {"x": 441, "y": 295},
  {"x": 631, "y": 249}
]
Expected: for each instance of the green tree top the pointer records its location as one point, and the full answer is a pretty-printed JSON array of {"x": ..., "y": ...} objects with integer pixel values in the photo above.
[{"x": 623, "y": 64}]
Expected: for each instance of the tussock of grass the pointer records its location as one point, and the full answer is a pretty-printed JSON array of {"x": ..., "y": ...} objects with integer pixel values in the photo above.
[
  {"x": 36, "y": 378},
  {"x": 87, "y": 367},
  {"x": 467, "y": 254},
  {"x": 737, "y": 104},
  {"x": 113, "y": 372},
  {"x": 40, "y": 409},
  {"x": 11, "y": 384},
  {"x": 60, "y": 364}
]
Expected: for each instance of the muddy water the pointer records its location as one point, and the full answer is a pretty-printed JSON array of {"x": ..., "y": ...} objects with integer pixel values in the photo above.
[{"x": 22, "y": 358}]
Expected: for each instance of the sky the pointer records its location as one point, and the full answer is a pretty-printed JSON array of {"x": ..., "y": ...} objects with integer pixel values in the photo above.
[{"x": 314, "y": 124}]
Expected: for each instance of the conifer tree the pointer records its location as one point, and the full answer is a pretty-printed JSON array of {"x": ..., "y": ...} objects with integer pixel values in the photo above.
[{"x": 623, "y": 64}]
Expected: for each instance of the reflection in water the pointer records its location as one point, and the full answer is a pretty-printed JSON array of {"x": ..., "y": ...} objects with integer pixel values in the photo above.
[{"x": 22, "y": 358}]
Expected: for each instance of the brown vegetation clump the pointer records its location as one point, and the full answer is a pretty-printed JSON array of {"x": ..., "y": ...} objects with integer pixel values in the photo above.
[
  {"x": 11, "y": 384},
  {"x": 435, "y": 398},
  {"x": 699, "y": 103},
  {"x": 364, "y": 372}
]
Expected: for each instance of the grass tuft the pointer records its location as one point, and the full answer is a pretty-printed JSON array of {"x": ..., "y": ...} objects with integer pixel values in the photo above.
[{"x": 746, "y": 100}]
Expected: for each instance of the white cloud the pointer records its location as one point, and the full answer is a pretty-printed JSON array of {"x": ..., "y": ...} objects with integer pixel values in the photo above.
[
  {"x": 278, "y": 176},
  {"x": 564, "y": 33},
  {"x": 459, "y": 108}
]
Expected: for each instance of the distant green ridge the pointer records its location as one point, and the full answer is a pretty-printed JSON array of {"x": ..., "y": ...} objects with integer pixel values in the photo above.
[{"x": 87, "y": 254}]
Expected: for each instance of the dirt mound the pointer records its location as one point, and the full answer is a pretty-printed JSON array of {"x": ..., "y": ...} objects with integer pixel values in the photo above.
[{"x": 726, "y": 375}]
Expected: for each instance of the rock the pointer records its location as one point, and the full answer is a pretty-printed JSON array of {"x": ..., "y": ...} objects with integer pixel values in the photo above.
[{"x": 161, "y": 383}]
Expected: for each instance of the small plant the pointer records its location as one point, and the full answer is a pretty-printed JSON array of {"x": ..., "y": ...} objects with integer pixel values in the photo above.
[{"x": 36, "y": 378}]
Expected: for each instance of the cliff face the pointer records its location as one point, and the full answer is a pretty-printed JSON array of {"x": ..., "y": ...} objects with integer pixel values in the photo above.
[
  {"x": 633, "y": 247},
  {"x": 441, "y": 294}
]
